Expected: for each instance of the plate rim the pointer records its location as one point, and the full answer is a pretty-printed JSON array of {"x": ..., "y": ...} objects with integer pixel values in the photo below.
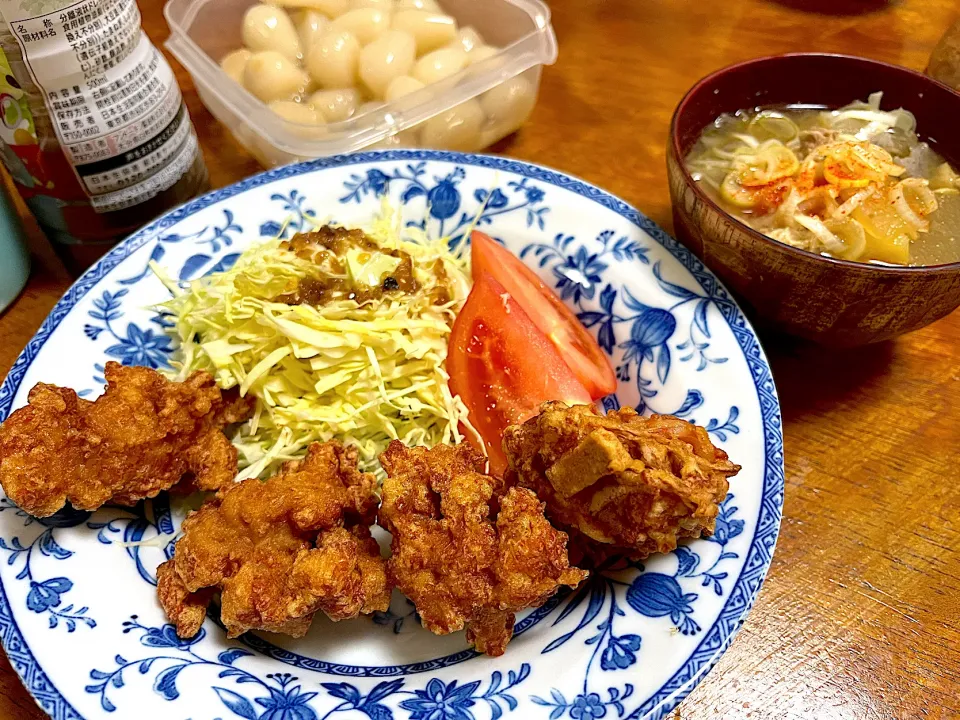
[{"x": 743, "y": 593}]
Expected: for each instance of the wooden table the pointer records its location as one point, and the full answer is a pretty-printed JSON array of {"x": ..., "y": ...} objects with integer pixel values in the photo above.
[{"x": 858, "y": 618}]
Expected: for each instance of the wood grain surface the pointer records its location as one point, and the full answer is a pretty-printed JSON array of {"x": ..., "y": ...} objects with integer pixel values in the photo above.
[{"x": 858, "y": 618}]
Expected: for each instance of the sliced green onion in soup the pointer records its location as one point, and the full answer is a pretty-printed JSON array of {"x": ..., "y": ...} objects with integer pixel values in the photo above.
[
  {"x": 771, "y": 125},
  {"x": 851, "y": 233},
  {"x": 841, "y": 237}
]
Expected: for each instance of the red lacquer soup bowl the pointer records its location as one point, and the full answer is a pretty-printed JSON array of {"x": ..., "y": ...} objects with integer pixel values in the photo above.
[{"x": 827, "y": 300}]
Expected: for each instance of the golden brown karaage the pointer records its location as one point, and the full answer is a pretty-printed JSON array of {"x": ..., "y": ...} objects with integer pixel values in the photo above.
[
  {"x": 143, "y": 435},
  {"x": 621, "y": 483},
  {"x": 279, "y": 551},
  {"x": 466, "y": 550}
]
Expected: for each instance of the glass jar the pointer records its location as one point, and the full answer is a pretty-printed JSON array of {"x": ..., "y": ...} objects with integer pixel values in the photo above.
[{"x": 94, "y": 130}]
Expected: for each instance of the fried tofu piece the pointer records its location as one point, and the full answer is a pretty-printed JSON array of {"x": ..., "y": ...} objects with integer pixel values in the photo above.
[
  {"x": 282, "y": 550},
  {"x": 142, "y": 436},
  {"x": 598, "y": 455},
  {"x": 621, "y": 483},
  {"x": 468, "y": 551}
]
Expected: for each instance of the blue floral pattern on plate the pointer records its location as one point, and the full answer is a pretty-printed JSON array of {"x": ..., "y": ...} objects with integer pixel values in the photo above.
[
  {"x": 678, "y": 342},
  {"x": 45, "y": 597},
  {"x": 279, "y": 695}
]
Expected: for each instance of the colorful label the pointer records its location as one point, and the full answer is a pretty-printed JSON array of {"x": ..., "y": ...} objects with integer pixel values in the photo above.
[{"x": 18, "y": 131}]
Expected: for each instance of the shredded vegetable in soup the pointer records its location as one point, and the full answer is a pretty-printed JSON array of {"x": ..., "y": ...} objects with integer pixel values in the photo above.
[{"x": 855, "y": 183}]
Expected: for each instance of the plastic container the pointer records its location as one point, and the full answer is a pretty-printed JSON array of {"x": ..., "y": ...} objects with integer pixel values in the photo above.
[{"x": 203, "y": 31}]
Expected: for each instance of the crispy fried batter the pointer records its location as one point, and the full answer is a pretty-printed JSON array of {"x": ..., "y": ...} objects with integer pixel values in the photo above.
[
  {"x": 186, "y": 610},
  {"x": 467, "y": 551},
  {"x": 281, "y": 550},
  {"x": 143, "y": 435},
  {"x": 628, "y": 484}
]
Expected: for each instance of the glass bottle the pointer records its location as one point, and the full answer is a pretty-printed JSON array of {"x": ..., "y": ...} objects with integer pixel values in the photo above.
[{"x": 93, "y": 127}]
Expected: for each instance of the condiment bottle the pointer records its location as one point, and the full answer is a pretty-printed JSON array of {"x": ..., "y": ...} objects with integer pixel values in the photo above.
[{"x": 93, "y": 126}]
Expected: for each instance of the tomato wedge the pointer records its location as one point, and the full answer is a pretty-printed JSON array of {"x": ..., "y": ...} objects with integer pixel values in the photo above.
[
  {"x": 554, "y": 319},
  {"x": 503, "y": 367}
]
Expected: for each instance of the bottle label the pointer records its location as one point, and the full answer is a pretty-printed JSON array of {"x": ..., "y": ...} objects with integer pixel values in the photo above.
[
  {"x": 113, "y": 100},
  {"x": 16, "y": 121},
  {"x": 44, "y": 179}
]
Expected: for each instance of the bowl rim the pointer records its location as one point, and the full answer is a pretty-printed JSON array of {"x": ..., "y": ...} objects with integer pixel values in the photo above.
[{"x": 850, "y": 265}]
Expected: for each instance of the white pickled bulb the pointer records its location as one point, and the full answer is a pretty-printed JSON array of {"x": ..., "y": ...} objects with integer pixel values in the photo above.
[
  {"x": 336, "y": 105},
  {"x": 431, "y": 30},
  {"x": 481, "y": 53},
  {"x": 439, "y": 64},
  {"x": 385, "y": 5},
  {"x": 366, "y": 24},
  {"x": 510, "y": 103},
  {"x": 469, "y": 39},
  {"x": 233, "y": 64},
  {"x": 369, "y": 107},
  {"x": 271, "y": 75},
  {"x": 404, "y": 139},
  {"x": 310, "y": 25},
  {"x": 389, "y": 56},
  {"x": 332, "y": 60},
  {"x": 455, "y": 129},
  {"x": 330, "y": 8},
  {"x": 270, "y": 28},
  {"x": 430, "y": 5},
  {"x": 310, "y": 123},
  {"x": 296, "y": 112},
  {"x": 400, "y": 86},
  {"x": 491, "y": 134}
]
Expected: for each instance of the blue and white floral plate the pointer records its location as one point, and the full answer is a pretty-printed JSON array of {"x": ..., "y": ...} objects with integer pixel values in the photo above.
[{"x": 78, "y": 613}]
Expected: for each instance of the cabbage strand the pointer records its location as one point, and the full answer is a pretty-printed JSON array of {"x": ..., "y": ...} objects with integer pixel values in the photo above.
[{"x": 365, "y": 374}]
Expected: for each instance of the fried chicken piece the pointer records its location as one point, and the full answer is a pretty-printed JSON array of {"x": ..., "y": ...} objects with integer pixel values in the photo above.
[
  {"x": 186, "y": 610},
  {"x": 625, "y": 483},
  {"x": 466, "y": 550},
  {"x": 279, "y": 551},
  {"x": 143, "y": 435}
]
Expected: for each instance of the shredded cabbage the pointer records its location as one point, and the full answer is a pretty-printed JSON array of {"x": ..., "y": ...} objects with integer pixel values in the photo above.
[{"x": 365, "y": 374}]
